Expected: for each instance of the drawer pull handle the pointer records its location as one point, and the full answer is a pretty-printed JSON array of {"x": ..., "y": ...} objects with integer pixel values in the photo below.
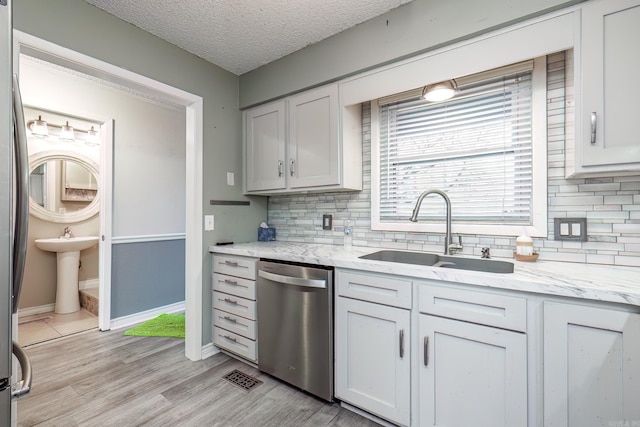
[
  {"x": 401, "y": 343},
  {"x": 230, "y": 319},
  {"x": 232, "y": 339},
  {"x": 280, "y": 168},
  {"x": 231, "y": 263},
  {"x": 426, "y": 351},
  {"x": 230, "y": 301},
  {"x": 594, "y": 119},
  {"x": 292, "y": 167},
  {"x": 230, "y": 282}
]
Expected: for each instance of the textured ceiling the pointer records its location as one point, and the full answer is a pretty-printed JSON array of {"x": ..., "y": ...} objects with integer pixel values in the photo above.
[{"x": 241, "y": 35}]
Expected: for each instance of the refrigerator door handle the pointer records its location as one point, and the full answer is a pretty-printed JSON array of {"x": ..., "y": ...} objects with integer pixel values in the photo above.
[
  {"x": 23, "y": 387},
  {"x": 22, "y": 194}
]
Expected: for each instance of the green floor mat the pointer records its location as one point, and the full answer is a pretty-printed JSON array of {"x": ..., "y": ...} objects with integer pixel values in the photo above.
[{"x": 165, "y": 325}]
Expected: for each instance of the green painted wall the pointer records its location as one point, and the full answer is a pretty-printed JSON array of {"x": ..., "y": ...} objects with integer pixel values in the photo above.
[
  {"x": 414, "y": 28},
  {"x": 76, "y": 25}
]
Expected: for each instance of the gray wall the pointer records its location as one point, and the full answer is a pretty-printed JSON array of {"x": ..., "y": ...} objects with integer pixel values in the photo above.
[
  {"x": 417, "y": 27},
  {"x": 76, "y": 25}
]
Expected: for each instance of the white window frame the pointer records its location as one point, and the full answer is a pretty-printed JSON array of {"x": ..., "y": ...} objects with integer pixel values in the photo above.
[{"x": 538, "y": 227}]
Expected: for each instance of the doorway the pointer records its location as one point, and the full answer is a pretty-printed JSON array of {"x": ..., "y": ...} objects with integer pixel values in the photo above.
[{"x": 192, "y": 105}]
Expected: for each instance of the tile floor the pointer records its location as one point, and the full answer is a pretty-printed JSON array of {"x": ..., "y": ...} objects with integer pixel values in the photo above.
[{"x": 49, "y": 326}]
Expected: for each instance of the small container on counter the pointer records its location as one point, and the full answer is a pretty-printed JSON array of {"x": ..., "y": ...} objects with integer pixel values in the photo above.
[{"x": 348, "y": 234}]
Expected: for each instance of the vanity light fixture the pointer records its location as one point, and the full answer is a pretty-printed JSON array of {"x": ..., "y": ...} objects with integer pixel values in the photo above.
[
  {"x": 66, "y": 133},
  {"x": 92, "y": 137},
  {"x": 440, "y": 91},
  {"x": 39, "y": 127}
]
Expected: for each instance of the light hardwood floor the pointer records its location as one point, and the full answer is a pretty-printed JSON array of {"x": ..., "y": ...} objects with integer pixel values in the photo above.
[{"x": 108, "y": 379}]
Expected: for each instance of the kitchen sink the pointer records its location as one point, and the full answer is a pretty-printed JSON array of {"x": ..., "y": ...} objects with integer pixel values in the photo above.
[{"x": 435, "y": 260}]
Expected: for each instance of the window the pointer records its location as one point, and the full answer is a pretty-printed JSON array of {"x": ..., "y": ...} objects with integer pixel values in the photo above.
[{"x": 485, "y": 148}]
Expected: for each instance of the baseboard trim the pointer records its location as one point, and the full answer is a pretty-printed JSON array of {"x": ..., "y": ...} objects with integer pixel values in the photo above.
[
  {"x": 209, "y": 350},
  {"x": 89, "y": 283},
  {"x": 30, "y": 311},
  {"x": 143, "y": 316}
]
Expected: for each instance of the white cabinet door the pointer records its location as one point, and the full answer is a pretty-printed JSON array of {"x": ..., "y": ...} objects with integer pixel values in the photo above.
[
  {"x": 471, "y": 375},
  {"x": 610, "y": 57},
  {"x": 264, "y": 147},
  {"x": 372, "y": 368},
  {"x": 591, "y": 366},
  {"x": 314, "y": 152}
]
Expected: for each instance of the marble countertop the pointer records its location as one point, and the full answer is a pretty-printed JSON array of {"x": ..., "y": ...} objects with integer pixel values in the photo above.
[{"x": 587, "y": 281}]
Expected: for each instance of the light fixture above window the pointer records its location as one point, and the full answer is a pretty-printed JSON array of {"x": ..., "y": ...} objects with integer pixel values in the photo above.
[{"x": 440, "y": 91}]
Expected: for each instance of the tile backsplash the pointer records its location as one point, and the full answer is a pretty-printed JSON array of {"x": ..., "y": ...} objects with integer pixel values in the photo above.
[{"x": 611, "y": 205}]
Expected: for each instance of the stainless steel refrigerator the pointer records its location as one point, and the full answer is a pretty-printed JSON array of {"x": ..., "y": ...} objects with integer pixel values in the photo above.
[{"x": 14, "y": 215}]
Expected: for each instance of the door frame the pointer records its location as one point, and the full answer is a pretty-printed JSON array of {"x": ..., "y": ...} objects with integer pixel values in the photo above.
[{"x": 193, "y": 104}]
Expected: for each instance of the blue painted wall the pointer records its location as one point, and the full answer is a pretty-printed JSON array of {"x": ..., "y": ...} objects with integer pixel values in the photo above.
[{"x": 146, "y": 275}]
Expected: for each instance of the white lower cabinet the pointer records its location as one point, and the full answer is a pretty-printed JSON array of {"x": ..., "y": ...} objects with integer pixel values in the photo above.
[
  {"x": 591, "y": 366},
  {"x": 471, "y": 375},
  {"x": 372, "y": 365},
  {"x": 234, "y": 305},
  {"x": 432, "y": 353}
]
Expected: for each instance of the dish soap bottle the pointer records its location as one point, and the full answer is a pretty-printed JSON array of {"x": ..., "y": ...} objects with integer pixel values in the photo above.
[{"x": 348, "y": 234}]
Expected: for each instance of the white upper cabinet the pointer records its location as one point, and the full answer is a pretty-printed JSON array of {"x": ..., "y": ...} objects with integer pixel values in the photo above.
[
  {"x": 295, "y": 145},
  {"x": 264, "y": 133},
  {"x": 314, "y": 155},
  {"x": 607, "y": 89}
]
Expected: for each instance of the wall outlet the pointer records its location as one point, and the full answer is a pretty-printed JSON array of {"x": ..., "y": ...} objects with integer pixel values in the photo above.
[
  {"x": 570, "y": 229},
  {"x": 327, "y": 222},
  {"x": 208, "y": 223},
  {"x": 230, "y": 178}
]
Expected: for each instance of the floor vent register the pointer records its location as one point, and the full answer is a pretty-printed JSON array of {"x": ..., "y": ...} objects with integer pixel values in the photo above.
[{"x": 242, "y": 380}]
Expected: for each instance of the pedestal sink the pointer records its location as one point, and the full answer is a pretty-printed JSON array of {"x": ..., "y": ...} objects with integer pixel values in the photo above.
[{"x": 68, "y": 255}]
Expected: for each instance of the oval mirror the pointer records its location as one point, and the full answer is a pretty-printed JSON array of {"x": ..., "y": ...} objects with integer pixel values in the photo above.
[{"x": 64, "y": 186}]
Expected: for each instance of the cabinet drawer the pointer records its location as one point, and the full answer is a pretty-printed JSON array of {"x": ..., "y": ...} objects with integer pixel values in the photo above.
[
  {"x": 235, "y": 343},
  {"x": 234, "y": 323},
  {"x": 244, "y": 288},
  {"x": 375, "y": 288},
  {"x": 234, "y": 305},
  {"x": 235, "y": 266},
  {"x": 502, "y": 311}
]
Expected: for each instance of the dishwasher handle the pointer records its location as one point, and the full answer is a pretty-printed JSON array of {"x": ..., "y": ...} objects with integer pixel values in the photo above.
[{"x": 296, "y": 281}]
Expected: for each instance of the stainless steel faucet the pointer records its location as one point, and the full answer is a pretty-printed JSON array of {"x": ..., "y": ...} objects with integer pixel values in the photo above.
[
  {"x": 67, "y": 232},
  {"x": 450, "y": 248}
]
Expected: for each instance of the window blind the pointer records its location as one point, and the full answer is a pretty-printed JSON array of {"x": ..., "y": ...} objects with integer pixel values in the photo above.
[{"x": 476, "y": 147}]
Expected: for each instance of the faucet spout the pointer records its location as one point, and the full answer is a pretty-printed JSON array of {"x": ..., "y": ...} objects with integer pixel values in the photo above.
[{"x": 448, "y": 246}]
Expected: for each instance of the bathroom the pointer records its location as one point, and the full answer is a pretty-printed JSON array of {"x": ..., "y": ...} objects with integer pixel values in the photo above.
[
  {"x": 151, "y": 127},
  {"x": 63, "y": 186}
]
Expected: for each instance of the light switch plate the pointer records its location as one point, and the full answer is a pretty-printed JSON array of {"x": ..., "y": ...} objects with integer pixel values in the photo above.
[
  {"x": 230, "y": 178},
  {"x": 574, "y": 229},
  {"x": 327, "y": 222},
  {"x": 208, "y": 223}
]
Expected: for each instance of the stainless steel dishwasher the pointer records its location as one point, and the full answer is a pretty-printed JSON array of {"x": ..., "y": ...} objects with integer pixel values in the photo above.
[{"x": 295, "y": 325}]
